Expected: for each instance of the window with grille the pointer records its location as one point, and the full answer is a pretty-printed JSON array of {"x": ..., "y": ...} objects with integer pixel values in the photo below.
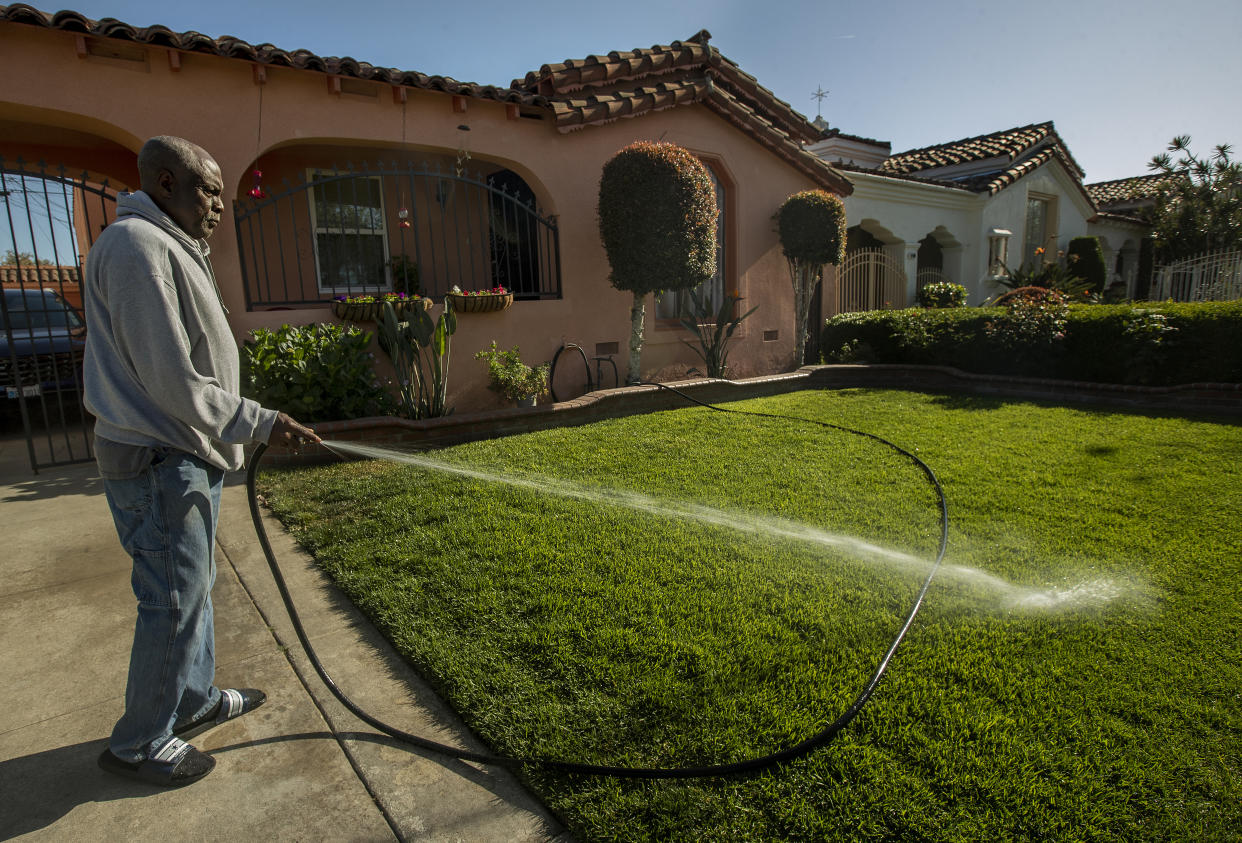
[{"x": 351, "y": 239}]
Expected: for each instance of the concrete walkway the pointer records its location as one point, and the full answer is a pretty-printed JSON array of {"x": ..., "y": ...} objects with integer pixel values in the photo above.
[{"x": 300, "y": 768}]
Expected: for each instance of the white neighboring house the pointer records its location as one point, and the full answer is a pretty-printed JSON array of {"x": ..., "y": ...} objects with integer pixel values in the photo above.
[{"x": 963, "y": 211}]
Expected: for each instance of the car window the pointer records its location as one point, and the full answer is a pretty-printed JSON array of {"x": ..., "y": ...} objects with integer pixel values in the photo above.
[{"x": 36, "y": 309}]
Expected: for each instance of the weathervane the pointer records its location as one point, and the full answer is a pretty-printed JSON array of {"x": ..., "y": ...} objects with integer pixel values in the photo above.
[{"x": 819, "y": 94}]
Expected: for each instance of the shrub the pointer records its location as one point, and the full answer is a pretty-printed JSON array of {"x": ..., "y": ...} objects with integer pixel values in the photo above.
[
  {"x": 510, "y": 376},
  {"x": 1087, "y": 258},
  {"x": 1168, "y": 343},
  {"x": 811, "y": 225},
  {"x": 657, "y": 221},
  {"x": 313, "y": 372},
  {"x": 1030, "y": 330},
  {"x": 942, "y": 294}
]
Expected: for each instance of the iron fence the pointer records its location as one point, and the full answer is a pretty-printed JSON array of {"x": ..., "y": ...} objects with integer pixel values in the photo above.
[
  {"x": 1211, "y": 276},
  {"x": 51, "y": 218},
  {"x": 347, "y": 231}
]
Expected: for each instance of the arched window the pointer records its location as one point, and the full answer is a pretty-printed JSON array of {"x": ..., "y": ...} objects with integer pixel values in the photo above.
[
  {"x": 674, "y": 305},
  {"x": 513, "y": 240}
]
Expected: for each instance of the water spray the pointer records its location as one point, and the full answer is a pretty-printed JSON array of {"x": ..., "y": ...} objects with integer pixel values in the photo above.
[{"x": 750, "y": 765}]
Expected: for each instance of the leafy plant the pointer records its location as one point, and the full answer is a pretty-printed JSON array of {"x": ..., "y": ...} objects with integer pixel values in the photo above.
[
  {"x": 1199, "y": 209},
  {"x": 419, "y": 349},
  {"x": 811, "y": 225},
  {"x": 657, "y": 221},
  {"x": 510, "y": 376},
  {"x": 1048, "y": 273},
  {"x": 714, "y": 330},
  {"x": 942, "y": 294},
  {"x": 317, "y": 372}
]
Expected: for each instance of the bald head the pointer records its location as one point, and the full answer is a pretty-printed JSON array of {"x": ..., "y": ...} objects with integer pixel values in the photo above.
[
  {"x": 168, "y": 153},
  {"x": 184, "y": 181}
]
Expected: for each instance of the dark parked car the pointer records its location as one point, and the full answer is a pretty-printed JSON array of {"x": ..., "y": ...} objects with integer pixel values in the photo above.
[{"x": 48, "y": 337}]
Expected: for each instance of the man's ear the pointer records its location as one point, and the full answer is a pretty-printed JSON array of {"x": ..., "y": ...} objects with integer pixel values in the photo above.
[{"x": 167, "y": 181}]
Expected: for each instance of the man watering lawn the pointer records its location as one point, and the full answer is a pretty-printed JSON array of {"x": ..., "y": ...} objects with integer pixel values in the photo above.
[{"x": 161, "y": 378}]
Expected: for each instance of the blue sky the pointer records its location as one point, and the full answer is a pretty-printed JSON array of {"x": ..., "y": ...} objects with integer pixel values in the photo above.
[{"x": 1118, "y": 77}]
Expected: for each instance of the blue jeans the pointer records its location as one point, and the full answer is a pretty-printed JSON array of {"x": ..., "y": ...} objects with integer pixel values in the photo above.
[{"x": 166, "y": 518}]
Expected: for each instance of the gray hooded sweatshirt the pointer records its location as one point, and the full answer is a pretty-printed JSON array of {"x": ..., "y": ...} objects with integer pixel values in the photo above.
[{"x": 161, "y": 366}]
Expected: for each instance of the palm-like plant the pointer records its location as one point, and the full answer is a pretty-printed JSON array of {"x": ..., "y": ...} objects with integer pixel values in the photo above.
[{"x": 714, "y": 330}]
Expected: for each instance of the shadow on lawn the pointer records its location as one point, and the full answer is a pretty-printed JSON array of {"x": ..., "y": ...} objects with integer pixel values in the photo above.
[{"x": 971, "y": 401}]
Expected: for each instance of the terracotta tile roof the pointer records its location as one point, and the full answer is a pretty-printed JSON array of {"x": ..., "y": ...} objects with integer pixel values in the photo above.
[
  {"x": 265, "y": 54},
  {"x": 1125, "y": 191},
  {"x": 694, "y": 57},
  {"x": 1021, "y": 151},
  {"x": 592, "y": 91},
  {"x": 600, "y": 89}
]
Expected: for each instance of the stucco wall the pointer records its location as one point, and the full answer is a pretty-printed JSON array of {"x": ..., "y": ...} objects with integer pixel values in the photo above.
[{"x": 217, "y": 103}]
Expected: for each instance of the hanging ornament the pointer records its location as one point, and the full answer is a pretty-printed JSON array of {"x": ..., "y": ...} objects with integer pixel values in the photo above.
[
  {"x": 257, "y": 191},
  {"x": 463, "y": 154},
  {"x": 403, "y": 217}
]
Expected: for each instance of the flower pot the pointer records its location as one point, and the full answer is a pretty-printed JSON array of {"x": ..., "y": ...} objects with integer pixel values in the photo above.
[
  {"x": 481, "y": 303},
  {"x": 526, "y": 402},
  {"x": 403, "y": 309},
  {"x": 355, "y": 311}
]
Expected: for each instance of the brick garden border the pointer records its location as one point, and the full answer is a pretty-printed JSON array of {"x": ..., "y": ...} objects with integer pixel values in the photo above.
[{"x": 1184, "y": 399}]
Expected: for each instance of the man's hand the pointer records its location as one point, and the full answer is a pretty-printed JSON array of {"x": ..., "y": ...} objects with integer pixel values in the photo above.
[{"x": 290, "y": 433}]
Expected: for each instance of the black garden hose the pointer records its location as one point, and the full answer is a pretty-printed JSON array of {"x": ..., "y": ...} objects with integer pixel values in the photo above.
[
  {"x": 789, "y": 753},
  {"x": 552, "y": 369}
]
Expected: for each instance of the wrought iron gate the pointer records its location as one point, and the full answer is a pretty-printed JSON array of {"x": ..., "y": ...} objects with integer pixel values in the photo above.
[
  {"x": 49, "y": 216},
  {"x": 870, "y": 280}
]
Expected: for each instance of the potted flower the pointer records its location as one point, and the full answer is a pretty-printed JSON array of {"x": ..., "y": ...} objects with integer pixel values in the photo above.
[
  {"x": 404, "y": 304},
  {"x": 512, "y": 378},
  {"x": 479, "y": 301},
  {"x": 359, "y": 308},
  {"x": 366, "y": 307}
]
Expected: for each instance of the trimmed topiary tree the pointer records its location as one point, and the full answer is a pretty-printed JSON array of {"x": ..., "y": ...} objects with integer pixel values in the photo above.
[
  {"x": 1085, "y": 259},
  {"x": 812, "y": 232},
  {"x": 657, "y": 220}
]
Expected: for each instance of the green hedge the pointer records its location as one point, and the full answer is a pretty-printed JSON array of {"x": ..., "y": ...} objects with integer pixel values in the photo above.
[{"x": 1144, "y": 343}]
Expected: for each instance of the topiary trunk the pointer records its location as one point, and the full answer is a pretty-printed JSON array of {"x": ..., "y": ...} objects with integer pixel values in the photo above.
[
  {"x": 805, "y": 278},
  {"x": 637, "y": 312}
]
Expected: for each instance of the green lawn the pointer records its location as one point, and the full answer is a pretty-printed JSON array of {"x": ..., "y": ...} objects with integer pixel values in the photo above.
[{"x": 1084, "y": 684}]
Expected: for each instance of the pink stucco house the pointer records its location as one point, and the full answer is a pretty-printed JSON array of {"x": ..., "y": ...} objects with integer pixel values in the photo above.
[{"x": 367, "y": 172}]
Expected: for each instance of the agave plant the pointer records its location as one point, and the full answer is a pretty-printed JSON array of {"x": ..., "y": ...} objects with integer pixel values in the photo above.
[
  {"x": 419, "y": 349},
  {"x": 714, "y": 330}
]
